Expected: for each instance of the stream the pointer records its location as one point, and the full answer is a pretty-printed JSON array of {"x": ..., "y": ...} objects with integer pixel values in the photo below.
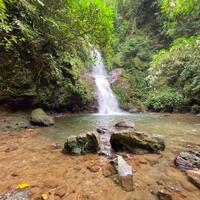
[
  {"x": 34, "y": 159},
  {"x": 181, "y": 132}
]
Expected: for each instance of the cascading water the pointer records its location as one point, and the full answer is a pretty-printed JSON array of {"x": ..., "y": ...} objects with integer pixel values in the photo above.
[{"x": 106, "y": 99}]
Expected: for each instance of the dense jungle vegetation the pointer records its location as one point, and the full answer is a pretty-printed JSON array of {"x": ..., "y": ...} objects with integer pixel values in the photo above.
[
  {"x": 45, "y": 52},
  {"x": 157, "y": 43}
]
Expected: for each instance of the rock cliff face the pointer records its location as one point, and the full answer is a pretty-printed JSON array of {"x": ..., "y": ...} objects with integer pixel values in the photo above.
[{"x": 124, "y": 91}]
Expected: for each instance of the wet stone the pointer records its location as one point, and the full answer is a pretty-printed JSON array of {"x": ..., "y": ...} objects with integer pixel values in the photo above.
[
  {"x": 125, "y": 124},
  {"x": 94, "y": 168},
  {"x": 17, "y": 195},
  {"x": 136, "y": 142},
  {"x": 188, "y": 160},
  {"x": 105, "y": 147},
  {"x": 10, "y": 149},
  {"x": 124, "y": 173},
  {"x": 194, "y": 177},
  {"x": 102, "y": 130},
  {"x": 40, "y": 118},
  {"x": 162, "y": 195}
]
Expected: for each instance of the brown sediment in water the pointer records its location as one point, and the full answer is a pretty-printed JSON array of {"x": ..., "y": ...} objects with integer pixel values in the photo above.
[{"x": 26, "y": 159}]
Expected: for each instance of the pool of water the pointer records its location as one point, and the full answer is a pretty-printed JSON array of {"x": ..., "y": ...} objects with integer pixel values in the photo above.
[
  {"x": 177, "y": 129},
  {"x": 36, "y": 161}
]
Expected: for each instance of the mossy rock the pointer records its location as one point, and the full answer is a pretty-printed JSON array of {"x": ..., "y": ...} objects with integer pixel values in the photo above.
[
  {"x": 82, "y": 144},
  {"x": 136, "y": 142},
  {"x": 40, "y": 118}
]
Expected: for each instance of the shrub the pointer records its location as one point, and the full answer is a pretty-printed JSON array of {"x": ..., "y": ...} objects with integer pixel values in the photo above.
[
  {"x": 179, "y": 68},
  {"x": 165, "y": 99}
]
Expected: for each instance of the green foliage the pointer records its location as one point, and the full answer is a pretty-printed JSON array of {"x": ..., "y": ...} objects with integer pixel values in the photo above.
[
  {"x": 134, "y": 56},
  {"x": 134, "y": 50},
  {"x": 174, "y": 8},
  {"x": 182, "y": 17},
  {"x": 179, "y": 68},
  {"x": 126, "y": 95},
  {"x": 142, "y": 29},
  {"x": 45, "y": 50},
  {"x": 3, "y": 15},
  {"x": 3, "y": 9},
  {"x": 133, "y": 47},
  {"x": 164, "y": 99}
]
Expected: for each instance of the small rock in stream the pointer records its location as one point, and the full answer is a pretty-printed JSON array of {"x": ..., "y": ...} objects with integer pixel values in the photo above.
[
  {"x": 10, "y": 149},
  {"x": 56, "y": 146},
  {"x": 124, "y": 173},
  {"x": 17, "y": 195},
  {"x": 194, "y": 177},
  {"x": 125, "y": 124},
  {"x": 189, "y": 160},
  {"x": 102, "y": 130},
  {"x": 94, "y": 168},
  {"x": 162, "y": 195}
]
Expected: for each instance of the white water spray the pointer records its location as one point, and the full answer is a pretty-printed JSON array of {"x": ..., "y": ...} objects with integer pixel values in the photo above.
[{"x": 107, "y": 101}]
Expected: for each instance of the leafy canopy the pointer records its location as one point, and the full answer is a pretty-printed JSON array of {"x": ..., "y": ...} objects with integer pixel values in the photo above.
[
  {"x": 179, "y": 68},
  {"x": 174, "y": 8},
  {"x": 44, "y": 48}
]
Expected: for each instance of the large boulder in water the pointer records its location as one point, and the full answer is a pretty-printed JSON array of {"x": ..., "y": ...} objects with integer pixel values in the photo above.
[
  {"x": 188, "y": 160},
  {"x": 82, "y": 144},
  {"x": 125, "y": 124},
  {"x": 136, "y": 142},
  {"x": 39, "y": 117}
]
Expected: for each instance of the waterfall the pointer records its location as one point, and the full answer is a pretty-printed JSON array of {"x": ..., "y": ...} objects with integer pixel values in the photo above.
[{"x": 106, "y": 99}]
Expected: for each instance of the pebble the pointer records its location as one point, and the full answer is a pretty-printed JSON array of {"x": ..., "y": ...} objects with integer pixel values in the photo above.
[{"x": 93, "y": 168}]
